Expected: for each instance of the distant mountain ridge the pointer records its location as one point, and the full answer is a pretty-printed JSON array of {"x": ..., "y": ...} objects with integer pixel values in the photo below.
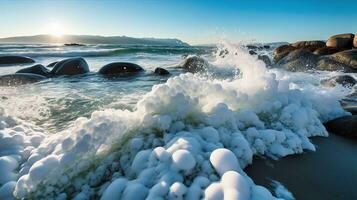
[{"x": 93, "y": 39}]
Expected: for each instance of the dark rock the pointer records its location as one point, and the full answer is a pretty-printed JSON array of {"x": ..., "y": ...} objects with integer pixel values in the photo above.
[
  {"x": 15, "y": 60},
  {"x": 36, "y": 69},
  {"x": 299, "y": 60},
  {"x": 326, "y": 51},
  {"x": 341, "y": 41},
  {"x": 265, "y": 59},
  {"x": 282, "y": 51},
  {"x": 71, "y": 66},
  {"x": 348, "y": 58},
  {"x": 310, "y": 45},
  {"x": 355, "y": 41},
  {"x": 161, "y": 71},
  {"x": 344, "y": 126},
  {"x": 344, "y": 80},
  {"x": 328, "y": 64},
  {"x": 194, "y": 64},
  {"x": 252, "y": 52},
  {"x": 52, "y": 64},
  {"x": 19, "y": 79},
  {"x": 73, "y": 44},
  {"x": 266, "y": 46},
  {"x": 120, "y": 68}
]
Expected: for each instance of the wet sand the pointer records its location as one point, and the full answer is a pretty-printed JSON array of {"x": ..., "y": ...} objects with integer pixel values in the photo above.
[{"x": 330, "y": 173}]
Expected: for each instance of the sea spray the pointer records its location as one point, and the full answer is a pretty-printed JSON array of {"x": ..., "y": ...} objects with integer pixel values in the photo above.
[{"x": 183, "y": 120}]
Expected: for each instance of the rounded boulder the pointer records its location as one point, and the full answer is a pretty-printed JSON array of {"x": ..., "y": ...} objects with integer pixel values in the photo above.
[
  {"x": 161, "y": 71},
  {"x": 36, "y": 69},
  {"x": 15, "y": 60},
  {"x": 341, "y": 41},
  {"x": 194, "y": 64},
  {"x": 71, "y": 66},
  {"x": 282, "y": 51},
  {"x": 345, "y": 126},
  {"x": 119, "y": 68}
]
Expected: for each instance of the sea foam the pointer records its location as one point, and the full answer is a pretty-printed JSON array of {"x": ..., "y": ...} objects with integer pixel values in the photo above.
[{"x": 189, "y": 138}]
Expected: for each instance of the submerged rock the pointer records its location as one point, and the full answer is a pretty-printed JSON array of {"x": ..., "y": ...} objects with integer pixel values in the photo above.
[
  {"x": 120, "y": 68},
  {"x": 344, "y": 126},
  {"x": 341, "y": 41},
  {"x": 298, "y": 60},
  {"x": 310, "y": 45},
  {"x": 194, "y": 64},
  {"x": 344, "y": 80},
  {"x": 282, "y": 51},
  {"x": 71, "y": 66},
  {"x": 20, "y": 79},
  {"x": 161, "y": 71},
  {"x": 15, "y": 60},
  {"x": 36, "y": 69},
  {"x": 52, "y": 64}
]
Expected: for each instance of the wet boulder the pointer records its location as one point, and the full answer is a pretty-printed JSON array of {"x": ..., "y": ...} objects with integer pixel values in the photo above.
[
  {"x": 120, "y": 68},
  {"x": 282, "y": 51},
  {"x": 345, "y": 80},
  {"x": 161, "y": 71},
  {"x": 52, "y": 64},
  {"x": 20, "y": 79},
  {"x": 310, "y": 45},
  {"x": 194, "y": 64},
  {"x": 341, "y": 41},
  {"x": 328, "y": 64},
  {"x": 36, "y": 69},
  {"x": 265, "y": 59},
  {"x": 326, "y": 51},
  {"x": 348, "y": 58},
  {"x": 345, "y": 126},
  {"x": 355, "y": 41},
  {"x": 15, "y": 60},
  {"x": 298, "y": 60},
  {"x": 71, "y": 66}
]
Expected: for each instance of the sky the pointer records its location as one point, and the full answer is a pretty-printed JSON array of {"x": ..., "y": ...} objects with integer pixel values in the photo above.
[{"x": 194, "y": 21}]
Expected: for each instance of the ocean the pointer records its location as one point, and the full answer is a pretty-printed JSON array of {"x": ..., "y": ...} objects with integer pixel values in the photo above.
[{"x": 150, "y": 136}]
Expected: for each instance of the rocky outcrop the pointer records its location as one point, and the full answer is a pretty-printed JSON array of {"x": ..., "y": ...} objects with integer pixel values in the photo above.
[
  {"x": 298, "y": 60},
  {"x": 36, "y": 69},
  {"x": 15, "y": 60},
  {"x": 265, "y": 59},
  {"x": 348, "y": 58},
  {"x": 282, "y": 51},
  {"x": 71, "y": 66},
  {"x": 344, "y": 80},
  {"x": 343, "y": 41},
  {"x": 345, "y": 126},
  {"x": 310, "y": 45},
  {"x": 328, "y": 64},
  {"x": 19, "y": 79},
  {"x": 326, "y": 51},
  {"x": 120, "y": 68},
  {"x": 194, "y": 64},
  {"x": 161, "y": 71},
  {"x": 355, "y": 41}
]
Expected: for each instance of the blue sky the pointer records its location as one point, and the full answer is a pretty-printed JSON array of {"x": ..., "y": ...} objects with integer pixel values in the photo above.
[{"x": 195, "y": 21}]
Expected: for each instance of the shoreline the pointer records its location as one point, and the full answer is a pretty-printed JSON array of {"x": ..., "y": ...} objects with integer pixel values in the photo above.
[{"x": 329, "y": 173}]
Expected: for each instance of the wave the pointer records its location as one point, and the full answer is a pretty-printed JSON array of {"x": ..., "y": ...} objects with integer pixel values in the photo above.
[{"x": 187, "y": 138}]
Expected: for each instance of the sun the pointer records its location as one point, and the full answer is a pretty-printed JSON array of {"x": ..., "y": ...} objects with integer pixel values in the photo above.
[{"x": 56, "y": 29}]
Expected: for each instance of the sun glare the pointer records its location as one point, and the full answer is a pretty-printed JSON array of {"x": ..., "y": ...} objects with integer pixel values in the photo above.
[{"x": 56, "y": 29}]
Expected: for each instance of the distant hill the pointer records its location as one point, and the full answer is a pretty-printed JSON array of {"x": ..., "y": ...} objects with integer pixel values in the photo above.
[{"x": 93, "y": 39}]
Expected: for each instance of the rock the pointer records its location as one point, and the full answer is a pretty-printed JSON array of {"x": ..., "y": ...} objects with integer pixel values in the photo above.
[
  {"x": 15, "y": 60},
  {"x": 344, "y": 126},
  {"x": 266, "y": 46},
  {"x": 310, "y": 45},
  {"x": 19, "y": 79},
  {"x": 355, "y": 41},
  {"x": 252, "y": 52},
  {"x": 161, "y": 71},
  {"x": 348, "y": 58},
  {"x": 52, "y": 64},
  {"x": 71, "y": 66},
  {"x": 265, "y": 59},
  {"x": 36, "y": 69},
  {"x": 120, "y": 68},
  {"x": 298, "y": 60},
  {"x": 326, "y": 51},
  {"x": 341, "y": 41},
  {"x": 328, "y": 64},
  {"x": 282, "y": 51},
  {"x": 194, "y": 64},
  {"x": 73, "y": 44},
  {"x": 345, "y": 80}
]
